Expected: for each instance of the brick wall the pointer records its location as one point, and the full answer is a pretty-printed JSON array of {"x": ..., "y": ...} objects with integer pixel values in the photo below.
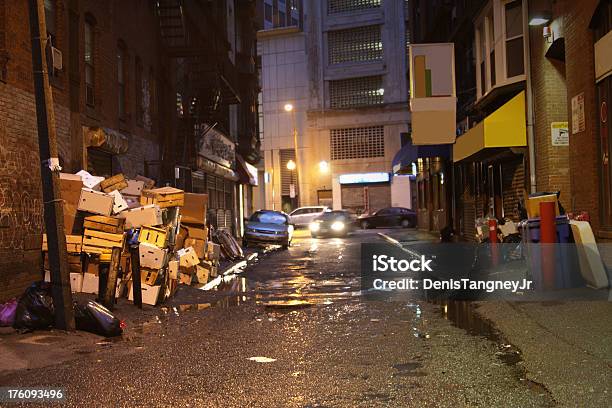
[
  {"x": 550, "y": 105},
  {"x": 21, "y": 214},
  {"x": 580, "y": 74}
]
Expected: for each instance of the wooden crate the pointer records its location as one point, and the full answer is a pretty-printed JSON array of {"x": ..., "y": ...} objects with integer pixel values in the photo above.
[
  {"x": 98, "y": 242},
  {"x": 74, "y": 243},
  {"x": 164, "y": 197},
  {"x": 105, "y": 224},
  {"x": 153, "y": 235},
  {"x": 116, "y": 182},
  {"x": 148, "y": 276}
]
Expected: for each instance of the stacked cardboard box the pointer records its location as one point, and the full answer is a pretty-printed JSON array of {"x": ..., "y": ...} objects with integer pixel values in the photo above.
[{"x": 167, "y": 224}]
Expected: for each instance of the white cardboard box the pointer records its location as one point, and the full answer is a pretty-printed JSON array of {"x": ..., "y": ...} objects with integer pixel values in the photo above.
[
  {"x": 119, "y": 203},
  {"x": 134, "y": 188},
  {"x": 149, "y": 294},
  {"x": 151, "y": 256},
  {"x": 146, "y": 215},
  {"x": 89, "y": 181},
  {"x": 96, "y": 202},
  {"x": 90, "y": 283},
  {"x": 76, "y": 282}
]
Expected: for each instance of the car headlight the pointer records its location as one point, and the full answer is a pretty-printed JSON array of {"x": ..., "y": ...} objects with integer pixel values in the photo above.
[
  {"x": 314, "y": 226},
  {"x": 337, "y": 226}
]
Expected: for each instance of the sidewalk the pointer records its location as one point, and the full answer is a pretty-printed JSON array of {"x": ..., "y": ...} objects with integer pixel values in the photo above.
[
  {"x": 43, "y": 348},
  {"x": 565, "y": 347}
]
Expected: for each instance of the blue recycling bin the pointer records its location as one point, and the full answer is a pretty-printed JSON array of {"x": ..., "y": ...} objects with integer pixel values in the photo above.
[{"x": 566, "y": 257}]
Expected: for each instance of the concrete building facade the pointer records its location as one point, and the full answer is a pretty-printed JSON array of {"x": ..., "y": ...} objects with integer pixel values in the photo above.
[{"x": 342, "y": 67}]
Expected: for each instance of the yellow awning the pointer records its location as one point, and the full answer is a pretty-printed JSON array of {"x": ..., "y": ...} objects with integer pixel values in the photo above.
[{"x": 506, "y": 127}]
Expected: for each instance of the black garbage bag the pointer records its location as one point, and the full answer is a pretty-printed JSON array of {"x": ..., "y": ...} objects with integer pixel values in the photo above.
[
  {"x": 35, "y": 308},
  {"x": 95, "y": 318}
]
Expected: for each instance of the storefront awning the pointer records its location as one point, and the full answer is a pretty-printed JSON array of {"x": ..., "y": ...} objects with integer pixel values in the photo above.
[
  {"x": 247, "y": 173},
  {"x": 409, "y": 153},
  {"x": 506, "y": 127}
]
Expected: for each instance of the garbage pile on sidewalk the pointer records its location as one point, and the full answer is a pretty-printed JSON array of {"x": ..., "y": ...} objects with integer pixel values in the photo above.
[{"x": 117, "y": 218}]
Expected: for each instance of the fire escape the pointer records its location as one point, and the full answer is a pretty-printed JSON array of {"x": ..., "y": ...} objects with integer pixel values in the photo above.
[{"x": 194, "y": 35}]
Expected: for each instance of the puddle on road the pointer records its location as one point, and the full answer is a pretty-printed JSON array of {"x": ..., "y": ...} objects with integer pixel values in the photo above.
[{"x": 463, "y": 315}]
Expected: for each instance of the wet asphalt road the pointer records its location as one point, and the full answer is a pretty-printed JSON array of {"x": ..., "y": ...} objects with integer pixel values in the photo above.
[{"x": 301, "y": 310}]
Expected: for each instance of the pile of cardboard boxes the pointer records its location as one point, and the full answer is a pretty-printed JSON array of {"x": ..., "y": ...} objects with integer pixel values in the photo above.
[{"x": 166, "y": 226}]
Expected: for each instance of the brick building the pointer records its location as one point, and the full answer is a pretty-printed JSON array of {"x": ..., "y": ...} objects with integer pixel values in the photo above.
[
  {"x": 166, "y": 89},
  {"x": 545, "y": 51}
]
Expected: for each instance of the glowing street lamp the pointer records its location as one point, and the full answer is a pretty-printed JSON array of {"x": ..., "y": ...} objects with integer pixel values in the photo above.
[
  {"x": 291, "y": 165},
  {"x": 288, "y": 107},
  {"x": 324, "y": 167}
]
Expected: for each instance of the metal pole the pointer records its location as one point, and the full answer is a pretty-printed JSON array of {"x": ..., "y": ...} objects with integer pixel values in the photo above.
[{"x": 49, "y": 172}]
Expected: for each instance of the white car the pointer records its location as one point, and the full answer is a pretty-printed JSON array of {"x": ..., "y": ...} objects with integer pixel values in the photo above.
[{"x": 303, "y": 216}]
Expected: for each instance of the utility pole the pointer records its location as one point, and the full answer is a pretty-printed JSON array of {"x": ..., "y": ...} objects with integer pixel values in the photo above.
[{"x": 49, "y": 172}]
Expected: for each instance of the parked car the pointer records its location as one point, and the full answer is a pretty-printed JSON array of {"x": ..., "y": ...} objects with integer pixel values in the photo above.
[
  {"x": 389, "y": 217},
  {"x": 303, "y": 216},
  {"x": 268, "y": 227},
  {"x": 333, "y": 223}
]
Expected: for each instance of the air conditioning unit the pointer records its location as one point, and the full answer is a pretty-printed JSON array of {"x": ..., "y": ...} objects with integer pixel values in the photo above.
[{"x": 56, "y": 57}]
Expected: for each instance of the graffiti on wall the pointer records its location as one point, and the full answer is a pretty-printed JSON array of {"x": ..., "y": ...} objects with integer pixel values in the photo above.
[{"x": 21, "y": 209}]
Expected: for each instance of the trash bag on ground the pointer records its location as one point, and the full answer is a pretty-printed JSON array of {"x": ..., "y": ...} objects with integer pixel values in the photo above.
[
  {"x": 95, "y": 318},
  {"x": 7, "y": 313},
  {"x": 35, "y": 308}
]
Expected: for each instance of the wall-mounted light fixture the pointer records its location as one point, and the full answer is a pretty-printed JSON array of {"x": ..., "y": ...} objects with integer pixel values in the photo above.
[{"x": 540, "y": 18}]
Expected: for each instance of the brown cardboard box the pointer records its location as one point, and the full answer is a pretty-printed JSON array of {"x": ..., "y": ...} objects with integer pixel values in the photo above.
[
  {"x": 70, "y": 189},
  {"x": 74, "y": 243},
  {"x": 134, "y": 188},
  {"x": 96, "y": 202},
  {"x": 90, "y": 283},
  {"x": 197, "y": 231},
  {"x": 202, "y": 274},
  {"x": 106, "y": 224},
  {"x": 116, "y": 182},
  {"x": 179, "y": 240},
  {"x": 185, "y": 278},
  {"x": 533, "y": 205},
  {"x": 164, "y": 197},
  {"x": 132, "y": 200},
  {"x": 199, "y": 245},
  {"x": 146, "y": 215},
  {"x": 213, "y": 251},
  {"x": 173, "y": 269},
  {"x": 148, "y": 183},
  {"x": 187, "y": 257},
  {"x": 151, "y": 256},
  {"x": 98, "y": 242},
  {"x": 93, "y": 266},
  {"x": 194, "y": 209}
]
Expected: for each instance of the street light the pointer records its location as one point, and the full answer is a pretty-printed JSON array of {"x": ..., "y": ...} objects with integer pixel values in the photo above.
[
  {"x": 324, "y": 167},
  {"x": 288, "y": 107},
  {"x": 291, "y": 165}
]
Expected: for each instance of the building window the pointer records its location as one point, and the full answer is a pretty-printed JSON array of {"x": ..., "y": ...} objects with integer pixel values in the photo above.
[
  {"x": 342, "y": 6},
  {"x": 355, "y": 45},
  {"x": 89, "y": 62},
  {"x": 121, "y": 89},
  {"x": 491, "y": 42},
  {"x": 357, "y": 143},
  {"x": 354, "y": 92},
  {"x": 513, "y": 19},
  {"x": 507, "y": 26}
]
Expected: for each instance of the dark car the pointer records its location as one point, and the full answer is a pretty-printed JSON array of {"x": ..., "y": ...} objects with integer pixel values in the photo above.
[
  {"x": 332, "y": 223},
  {"x": 268, "y": 227},
  {"x": 389, "y": 217}
]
